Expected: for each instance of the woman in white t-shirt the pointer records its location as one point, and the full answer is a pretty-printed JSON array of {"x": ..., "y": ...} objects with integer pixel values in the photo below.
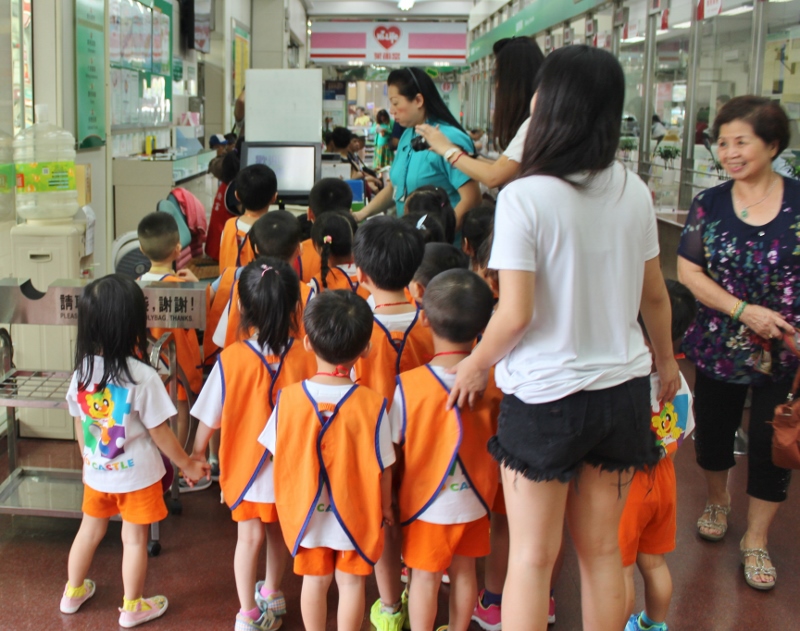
[
  {"x": 517, "y": 63},
  {"x": 576, "y": 247},
  {"x": 121, "y": 409}
]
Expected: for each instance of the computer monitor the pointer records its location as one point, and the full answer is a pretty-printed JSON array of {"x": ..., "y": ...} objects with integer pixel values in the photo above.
[{"x": 296, "y": 164}]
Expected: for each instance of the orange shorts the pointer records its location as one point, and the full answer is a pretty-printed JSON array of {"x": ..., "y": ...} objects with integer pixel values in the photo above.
[
  {"x": 264, "y": 511},
  {"x": 322, "y": 561},
  {"x": 499, "y": 505},
  {"x": 145, "y": 506},
  {"x": 649, "y": 521},
  {"x": 431, "y": 547}
]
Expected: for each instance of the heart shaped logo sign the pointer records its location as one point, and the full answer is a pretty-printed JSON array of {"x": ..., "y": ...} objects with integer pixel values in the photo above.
[{"x": 387, "y": 37}]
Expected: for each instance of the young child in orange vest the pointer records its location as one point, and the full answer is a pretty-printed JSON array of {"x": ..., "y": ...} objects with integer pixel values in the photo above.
[
  {"x": 237, "y": 399},
  {"x": 332, "y": 238},
  {"x": 159, "y": 241},
  {"x": 277, "y": 235},
  {"x": 332, "y": 446},
  {"x": 448, "y": 484},
  {"x": 649, "y": 521},
  {"x": 256, "y": 189},
  {"x": 438, "y": 258},
  {"x": 121, "y": 415},
  {"x": 329, "y": 195},
  {"x": 387, "y": 253}
]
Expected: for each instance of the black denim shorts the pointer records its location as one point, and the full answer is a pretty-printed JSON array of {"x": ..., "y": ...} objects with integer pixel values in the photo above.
[{"x": 607, "y": 428}]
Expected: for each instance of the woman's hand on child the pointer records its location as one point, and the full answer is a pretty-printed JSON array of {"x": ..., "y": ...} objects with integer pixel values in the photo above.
[
  {"x": 439, "y": 143},
  {"x": 185, "y": 274},
  {"x": 470, "y": 383}
]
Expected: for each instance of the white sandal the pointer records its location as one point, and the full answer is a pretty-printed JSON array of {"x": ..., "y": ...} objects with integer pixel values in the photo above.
[
  {"x": 759, "y": 569},
  {"x": 711, "y": 522}
]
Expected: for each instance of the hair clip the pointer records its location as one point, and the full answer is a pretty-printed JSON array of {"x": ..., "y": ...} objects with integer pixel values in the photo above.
[
  {"x": 327, "y": 239},
  {"x": 421, "y": 222},
  {"x": 265, "y": 269}
]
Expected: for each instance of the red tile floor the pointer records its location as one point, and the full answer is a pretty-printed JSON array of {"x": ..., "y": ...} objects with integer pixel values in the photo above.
[{"x": 195, "y": 567}]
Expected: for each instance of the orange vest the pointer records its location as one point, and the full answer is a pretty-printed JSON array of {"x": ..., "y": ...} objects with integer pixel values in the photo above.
[
  {"x": 215, "y": 309},
  {"x": 249, "y": 390},
  {"x": 234, "y": 247},
  {"x": 341, "y": 452},
  {"x": 187, "y": 349},
  {"x": 434, "y": 440},
  {"x": 338, "y": 279},
  {"x": 232, "y": 333},
  {"x": 391, "y": 353},
  {"x": 308, "y": 264}
]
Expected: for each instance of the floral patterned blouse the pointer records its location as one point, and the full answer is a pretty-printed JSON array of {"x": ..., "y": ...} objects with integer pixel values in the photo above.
[{"x": 757, "y": 264}]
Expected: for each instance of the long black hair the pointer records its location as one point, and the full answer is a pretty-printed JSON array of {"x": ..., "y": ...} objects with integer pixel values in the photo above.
[
  {"x": 575, "y": 125},
  {"x": 112, "y": 323},
  {"x": 516, "y": 67},
  {"x": 332, "y": 235},
  {"x": 269, "y": 292},
  {"x": 412, "y": 81},
  {"x": 430, "y": 199}
]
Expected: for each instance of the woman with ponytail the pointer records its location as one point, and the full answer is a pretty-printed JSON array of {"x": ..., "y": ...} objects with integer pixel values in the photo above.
[
  {"x": 332, "y": 236},
  {"x": 238, "y": 397}
]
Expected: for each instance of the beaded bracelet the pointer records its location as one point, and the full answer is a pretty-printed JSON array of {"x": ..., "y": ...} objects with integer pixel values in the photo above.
[
  {"x": 735, "y": 307},
  {"x": 739, "y": 310}
]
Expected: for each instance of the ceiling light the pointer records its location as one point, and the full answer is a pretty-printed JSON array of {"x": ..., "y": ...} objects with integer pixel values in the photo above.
[
  {"x": 682, "y": 25},
  {"x": 745, "y": 8},
  {"x": 633, "y": 40},
  {"x": 405, "y": 5},
  {"x": 662, "y": 31},
  {"x": 779, "y": 1}
]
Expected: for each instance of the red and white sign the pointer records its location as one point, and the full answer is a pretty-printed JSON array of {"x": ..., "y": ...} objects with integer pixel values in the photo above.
[
  {"x": 665, "y": 20},
  {"x": 708, "y": 9},
  {"x": 392, "y": 43}
]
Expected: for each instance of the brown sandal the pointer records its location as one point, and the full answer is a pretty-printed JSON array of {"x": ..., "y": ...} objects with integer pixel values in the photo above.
[
  {"x": 713, "y": 510},
  {"x": 759, "y": 569}
]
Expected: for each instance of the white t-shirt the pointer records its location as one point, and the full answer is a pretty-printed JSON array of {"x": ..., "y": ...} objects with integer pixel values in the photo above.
[
  {"x": 324, "y": 530},
  {"x": 517, "y": 144},
  {"x": 208, "y": 410},
  {"x": 588, "y": 249},
  {"x": 118, "y": 454},
  {"x": 457, "y": 502}
]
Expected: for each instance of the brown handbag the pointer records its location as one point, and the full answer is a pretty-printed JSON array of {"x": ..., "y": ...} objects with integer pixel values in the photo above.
[{"x": 786, "y": 430}]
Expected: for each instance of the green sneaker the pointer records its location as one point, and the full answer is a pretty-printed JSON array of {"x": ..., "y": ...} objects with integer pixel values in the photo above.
[{"x": 384, "y": 621}]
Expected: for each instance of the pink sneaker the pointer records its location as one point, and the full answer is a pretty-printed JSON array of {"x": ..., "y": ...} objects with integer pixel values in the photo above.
[
  {"x": 404, "y": 574},
  {"x": 146, "y": 609},
  {"x": 551, "y": 615},
  {"x": 488, "y": 618},
  {"x": 72, "y": 604}
]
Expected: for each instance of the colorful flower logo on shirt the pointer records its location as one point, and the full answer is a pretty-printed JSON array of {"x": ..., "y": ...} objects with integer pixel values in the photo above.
[{"x": 103, "y": 422}]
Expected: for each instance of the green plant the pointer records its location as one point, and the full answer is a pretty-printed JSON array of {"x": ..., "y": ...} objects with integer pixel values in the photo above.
[
  {"x": 627, "y": 144},
  {"x": 668, "y": 153}
]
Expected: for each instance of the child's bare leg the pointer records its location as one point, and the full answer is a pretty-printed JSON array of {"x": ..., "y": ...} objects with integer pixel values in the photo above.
[
  {"x": 657, "y": 585},
  {"x": 183, "y": 424},
  {"x": 89, "y": 536},
  {"x": 245, "y": 561},
  {"x": 463, "y": 592},
  {"x": 134, "y": 558},
  {"x": 351, "y": 601},
  {"x": 630, "y": 590},
  {"x": 497, "y": 561},
  {"x": 277, "y": 558},
  {"x": 387, "y": 569},
  {"x": 314, "y": 601},
  {"x": 423, "y": 599}
]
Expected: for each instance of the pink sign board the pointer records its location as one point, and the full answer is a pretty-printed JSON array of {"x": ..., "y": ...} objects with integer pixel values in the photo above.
[{"x": 407, "y": 43}]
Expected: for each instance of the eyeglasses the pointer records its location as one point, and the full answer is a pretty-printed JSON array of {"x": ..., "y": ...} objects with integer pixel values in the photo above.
[{"x": 413, "y": 76}]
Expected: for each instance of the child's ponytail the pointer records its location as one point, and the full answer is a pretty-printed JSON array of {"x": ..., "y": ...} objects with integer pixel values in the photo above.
[
  {"x": 332, "y": 236},
  {"x": 269, "y": 292}
]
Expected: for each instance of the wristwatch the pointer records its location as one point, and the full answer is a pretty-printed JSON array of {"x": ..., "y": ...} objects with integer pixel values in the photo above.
[{"x": 451, "y": 152}]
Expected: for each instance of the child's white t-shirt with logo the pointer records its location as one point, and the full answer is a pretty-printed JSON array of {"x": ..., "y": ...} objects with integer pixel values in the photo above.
[
  {"x": 119, "y": 456},
  {"x": 324, "y": 530},
  {"x": 457, "y": 502}
]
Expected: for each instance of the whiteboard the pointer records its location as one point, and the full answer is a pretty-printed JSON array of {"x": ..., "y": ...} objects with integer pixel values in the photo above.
[{"x": 283, "y": 105}]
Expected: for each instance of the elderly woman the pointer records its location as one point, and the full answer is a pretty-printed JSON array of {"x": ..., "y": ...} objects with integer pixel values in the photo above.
[{"x": 740, "y": 256}]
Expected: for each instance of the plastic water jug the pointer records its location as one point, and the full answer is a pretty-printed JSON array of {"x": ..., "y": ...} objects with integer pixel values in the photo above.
[
  {"x": 44, "y": 157},
  {"x": 6, "y": 178}
]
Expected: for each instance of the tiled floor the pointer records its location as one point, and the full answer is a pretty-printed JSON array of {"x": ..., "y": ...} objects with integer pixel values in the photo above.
[{"x": 195, "y": 567}]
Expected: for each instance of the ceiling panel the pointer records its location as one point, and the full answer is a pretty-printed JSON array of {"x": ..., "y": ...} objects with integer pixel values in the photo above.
[{"x": 377, "y": 9}]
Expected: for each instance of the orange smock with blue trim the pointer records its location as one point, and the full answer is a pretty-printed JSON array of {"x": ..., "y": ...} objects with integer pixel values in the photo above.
[
  {"x": 235, "y": 249},
  {"x": 249, "y": 390},
  {"x": 341, "y": 452},
  {"x": 434, "y": 439},
  {"x": 392, "y": 353}
]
